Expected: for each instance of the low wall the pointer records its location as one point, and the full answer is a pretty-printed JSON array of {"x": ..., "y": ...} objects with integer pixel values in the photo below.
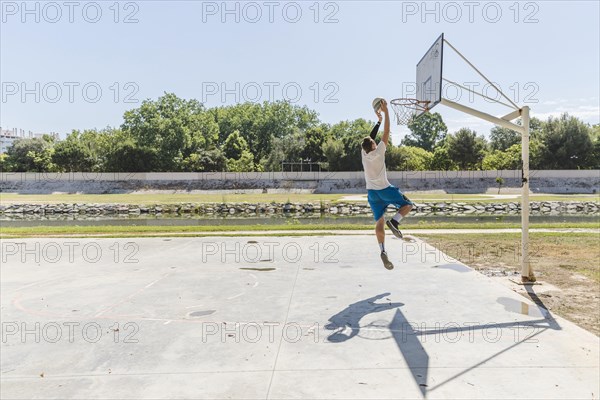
[
  {"x": 78, "y": 211},
  {"x": 543, "y": 181}
]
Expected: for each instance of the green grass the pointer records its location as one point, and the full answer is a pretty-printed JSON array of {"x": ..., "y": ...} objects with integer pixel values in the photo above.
[
  {"x": 165, "y": 198},
  {"x": 543, "y": 245},
  {"x": 577, "y": 252},
  {"x": 571, "y": 262},
  {"x": 144, "y": 230},
  {"x": 474, "y": 237},
  {"x": 488, "y": 198}
]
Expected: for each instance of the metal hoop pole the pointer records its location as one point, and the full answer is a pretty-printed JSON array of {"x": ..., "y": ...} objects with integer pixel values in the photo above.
[
  {"x": 477, "y": 93},
  {"x": 526, "y": 271},
  {"x": 482, "y": 75}
]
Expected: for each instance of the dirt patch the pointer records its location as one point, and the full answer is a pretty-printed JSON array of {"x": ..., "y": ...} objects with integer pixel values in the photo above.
[{"x": 569, "y": 264}]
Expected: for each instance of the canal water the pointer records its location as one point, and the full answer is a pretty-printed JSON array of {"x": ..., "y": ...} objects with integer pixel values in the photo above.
[{"x": 280, "y": 219}]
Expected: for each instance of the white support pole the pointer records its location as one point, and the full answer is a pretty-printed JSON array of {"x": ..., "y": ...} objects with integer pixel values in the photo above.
[
  {"x": 485, "y": 116},
  {"x": 512, "y": 115},
  {"x": 526, "y": 271},
  {"x": 480, "y": 74},
  {"x": 479, "y": 94}
]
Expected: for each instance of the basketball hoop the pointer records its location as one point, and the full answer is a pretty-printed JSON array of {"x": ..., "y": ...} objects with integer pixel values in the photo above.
[{"x": 406, "y": 108}]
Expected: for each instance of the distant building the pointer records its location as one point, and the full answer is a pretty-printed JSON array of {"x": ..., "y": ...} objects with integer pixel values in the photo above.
[{"x": 7, "y": 137}]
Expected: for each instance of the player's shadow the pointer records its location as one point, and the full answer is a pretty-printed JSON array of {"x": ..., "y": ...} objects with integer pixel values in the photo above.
[
  {"x": 409, "y": 336},
  {"x": 349, "y": 318}
]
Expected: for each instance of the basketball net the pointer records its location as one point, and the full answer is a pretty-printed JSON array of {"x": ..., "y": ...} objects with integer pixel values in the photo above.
[{"x": 406, "y": 108}]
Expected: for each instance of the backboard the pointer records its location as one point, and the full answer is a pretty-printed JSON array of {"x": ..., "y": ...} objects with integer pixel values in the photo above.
[{"x": 429, "y": 74}]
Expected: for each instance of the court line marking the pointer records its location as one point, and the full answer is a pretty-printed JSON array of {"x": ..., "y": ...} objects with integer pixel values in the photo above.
[
  {"x": 287, "y": 314},
  {"x": 132, "y": 295}
]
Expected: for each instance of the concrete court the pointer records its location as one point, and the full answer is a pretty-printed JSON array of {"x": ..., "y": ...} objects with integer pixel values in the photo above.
[{"x": 313, "y": 317}]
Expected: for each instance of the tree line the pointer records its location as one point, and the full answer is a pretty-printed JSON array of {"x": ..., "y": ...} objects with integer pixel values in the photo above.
[{"x": 178, "y": 135}]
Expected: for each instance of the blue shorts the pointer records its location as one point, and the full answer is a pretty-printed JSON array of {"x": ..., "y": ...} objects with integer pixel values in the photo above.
[{"x": 380, "y": 199}]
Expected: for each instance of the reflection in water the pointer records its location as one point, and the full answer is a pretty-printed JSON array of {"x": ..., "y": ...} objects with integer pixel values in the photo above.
[
  {"x": 521, "y": 307},
  {"x": 202, "y": 313},
  {"x": 258, "y": 269},
  {"x": 454, "y": 267}
]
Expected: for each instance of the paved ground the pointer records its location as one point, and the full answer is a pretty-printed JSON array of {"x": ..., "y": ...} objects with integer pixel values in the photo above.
[{"x": 275, "y": 318}]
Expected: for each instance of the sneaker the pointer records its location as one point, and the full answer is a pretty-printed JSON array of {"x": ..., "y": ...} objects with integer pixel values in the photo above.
[
  {"x": 393, "y": 225},
  {"x": 386, "y": 261}
]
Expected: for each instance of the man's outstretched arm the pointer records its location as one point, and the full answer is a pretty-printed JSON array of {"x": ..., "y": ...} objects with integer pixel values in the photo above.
[
  {"x": 376, "y": 127},
  {"x": 386, "y": 122}
]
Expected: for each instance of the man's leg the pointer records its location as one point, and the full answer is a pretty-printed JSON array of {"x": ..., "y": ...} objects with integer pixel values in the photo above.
[
  {"x": 394, "y": 223},
  {"x": 401, "y": 213},
  {"x": 405, "y": 206},
  {"x": 380, "y": 233},
  {"x": 405, "y": 210}
]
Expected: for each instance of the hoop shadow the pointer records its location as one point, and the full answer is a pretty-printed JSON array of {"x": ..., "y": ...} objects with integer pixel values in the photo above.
[{"x": 406, "y": 335}]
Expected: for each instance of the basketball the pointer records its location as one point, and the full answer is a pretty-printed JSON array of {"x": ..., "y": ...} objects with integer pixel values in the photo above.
[{"x": 377, "y": 103}]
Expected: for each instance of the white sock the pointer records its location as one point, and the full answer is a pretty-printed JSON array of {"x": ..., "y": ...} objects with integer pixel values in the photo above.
[
  {"x": 382, "y": 247},
  {"x": 397, "y": 217}
]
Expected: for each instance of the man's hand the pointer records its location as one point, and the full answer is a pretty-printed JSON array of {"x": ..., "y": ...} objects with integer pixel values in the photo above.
[
  {"x": 379, "y": 116},
  {"x": 384, "y": 107}
]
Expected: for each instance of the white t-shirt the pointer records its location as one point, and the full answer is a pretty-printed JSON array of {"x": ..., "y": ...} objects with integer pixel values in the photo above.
[{"x": 374, "y": 166}]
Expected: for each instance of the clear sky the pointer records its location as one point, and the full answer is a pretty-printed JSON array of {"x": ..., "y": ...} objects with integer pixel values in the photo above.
[{"x": 332, "y": 56}]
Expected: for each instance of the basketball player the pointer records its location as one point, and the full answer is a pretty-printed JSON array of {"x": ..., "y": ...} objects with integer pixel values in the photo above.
[{"x": 381, "y": 192}]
